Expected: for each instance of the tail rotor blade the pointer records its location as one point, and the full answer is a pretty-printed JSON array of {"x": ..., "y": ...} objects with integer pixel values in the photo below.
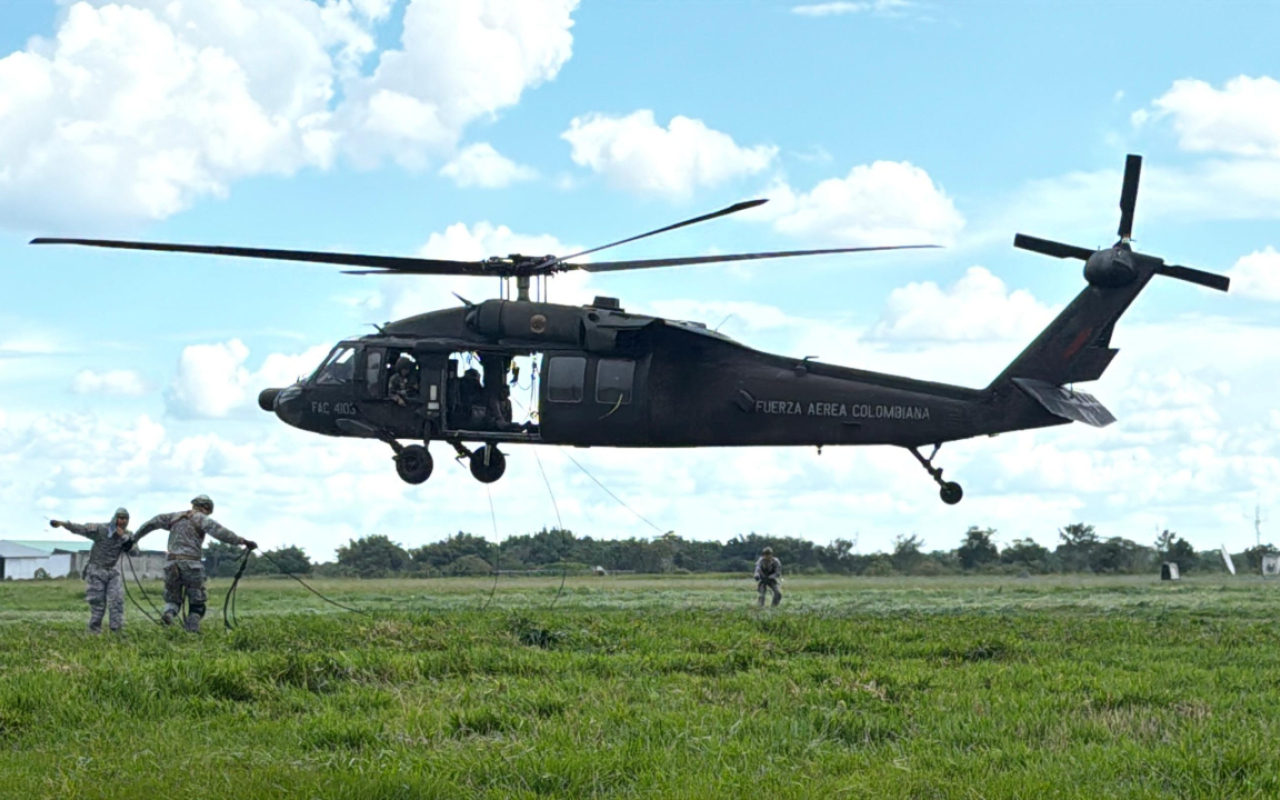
[
  {"x": 1129, "y": 194},
  {"x": 1049, "y": 248},
  {"x": 1196, "y": 276}
]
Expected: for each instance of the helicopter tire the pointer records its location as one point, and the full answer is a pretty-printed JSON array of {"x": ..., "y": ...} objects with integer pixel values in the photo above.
[
  {"x": 951, "y": 493},
  {"x": 414, "y": 464},
  {"x": 488, "y": 473}
]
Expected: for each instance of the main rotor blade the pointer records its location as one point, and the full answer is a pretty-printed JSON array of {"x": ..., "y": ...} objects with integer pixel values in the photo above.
[
  {"x": 1129, "y": 194},
  {"x": 422, "y": 266},
  {"x": 613, "y": 266},
  {"x": 733, "y": 209},
  {"x": 1196, "y": 276},
  {"x": 1050, "y": 248}
]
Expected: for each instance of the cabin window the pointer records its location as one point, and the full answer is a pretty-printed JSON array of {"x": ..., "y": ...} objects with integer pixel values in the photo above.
[
  {"x": 566, "y": 377},
  {"x": 614, "y": 377},
  {"x": 339, "y": 367},
  {"x": 373, "y": 372}
]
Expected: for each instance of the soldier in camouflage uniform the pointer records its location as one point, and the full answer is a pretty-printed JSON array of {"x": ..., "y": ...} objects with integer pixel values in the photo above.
[
  {"x": 104, "y": 587},
  {"x": 402, "y": 387},
  {"x": 768, "y": 576},
  {"x": 184, "y": 570}
]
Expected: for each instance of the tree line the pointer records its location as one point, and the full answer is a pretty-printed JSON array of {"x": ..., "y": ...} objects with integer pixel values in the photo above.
[{"x": 1079, "y": 549}]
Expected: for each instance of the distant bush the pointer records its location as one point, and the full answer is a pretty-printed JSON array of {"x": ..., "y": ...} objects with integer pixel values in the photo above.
[{"x": 470, "y": 565}]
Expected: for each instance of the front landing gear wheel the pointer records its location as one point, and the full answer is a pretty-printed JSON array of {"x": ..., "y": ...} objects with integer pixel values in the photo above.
[
  {"x": 487, "y": 464},
  {"x": 951, "y": 493},
  {"x": 414, "y": 464}
]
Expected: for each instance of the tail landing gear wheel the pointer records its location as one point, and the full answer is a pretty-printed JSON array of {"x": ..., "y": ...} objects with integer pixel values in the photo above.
[
  {"x": 414, "y": 464},
  {"x": 487, "y": 464},
  {"x": 951, "y": 491}
]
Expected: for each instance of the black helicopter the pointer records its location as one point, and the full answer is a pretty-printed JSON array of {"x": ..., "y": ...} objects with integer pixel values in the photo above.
[{"x": 609, "y": 378}]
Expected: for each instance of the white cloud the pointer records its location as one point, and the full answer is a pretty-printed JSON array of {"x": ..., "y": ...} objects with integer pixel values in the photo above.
[
  {"x": 212, "y": 380},
  {"x": 883, "y": 203},
  {"x": 118, "y": 382},
  {"x": 481, "y": 165},
  {"x": 138, "y": 109},
  {"x": 978, "y": 307},
  {"x": 1257, "y": 275},
  {"x": 1242, "y": 118},
  {"x": 637, "y": 154},
  {"x": 1080, "y": 207},
  {"x": 460, "y": 61},
  {"x": 842, "y": 7}
]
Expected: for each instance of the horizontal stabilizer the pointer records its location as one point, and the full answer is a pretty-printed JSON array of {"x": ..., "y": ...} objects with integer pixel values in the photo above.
[{"x": 1062, "y": 402}]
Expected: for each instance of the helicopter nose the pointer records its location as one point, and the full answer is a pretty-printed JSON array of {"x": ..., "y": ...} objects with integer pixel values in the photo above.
[
  {"x": 267, "y": 400},
  {"x": 285, "y": 404}
]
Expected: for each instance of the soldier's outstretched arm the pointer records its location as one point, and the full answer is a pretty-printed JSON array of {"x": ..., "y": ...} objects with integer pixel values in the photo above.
[
  {"x": 92, "y": 530},
  {"x": 210, "y": 528},
  {"x": 158, "y": 522}
]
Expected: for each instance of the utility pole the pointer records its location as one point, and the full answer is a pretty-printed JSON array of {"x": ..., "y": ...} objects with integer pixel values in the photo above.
[{"x": 1258, "y": 519}]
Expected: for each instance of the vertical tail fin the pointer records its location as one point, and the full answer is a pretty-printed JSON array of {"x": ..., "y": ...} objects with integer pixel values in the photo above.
[{"x": 1076, "y": 346}]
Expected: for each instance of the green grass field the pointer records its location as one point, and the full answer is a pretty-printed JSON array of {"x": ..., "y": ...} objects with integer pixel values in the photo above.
[{"x": 649, "y": 687}]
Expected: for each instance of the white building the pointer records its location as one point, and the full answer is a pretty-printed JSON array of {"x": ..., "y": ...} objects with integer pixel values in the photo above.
[
  {"x": 20, "y": 563},
  {"x": 19, "y": 559}
]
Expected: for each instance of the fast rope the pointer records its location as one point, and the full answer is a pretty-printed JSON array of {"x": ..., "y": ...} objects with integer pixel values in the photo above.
[
  {"x": 230, "y": 598},
  {"x": 284, "y": 571},
  {"x": 497, "y": 564},
  {"x": 611, "y": 494},
  {"x": 559, "y": 526},
  {"x": 145, "y": 596}
]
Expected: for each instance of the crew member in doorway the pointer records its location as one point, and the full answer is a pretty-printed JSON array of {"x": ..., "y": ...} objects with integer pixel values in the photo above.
[
  {"x": 497, "y": 393},
  {"x": 403, "y": 385},
  {"x": 471, "y": 399},
  {"x": 104, "y": 583},
  {"x": 768, "y": 576}
]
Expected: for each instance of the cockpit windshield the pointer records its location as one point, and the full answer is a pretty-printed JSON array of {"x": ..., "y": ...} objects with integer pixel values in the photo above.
[{"x": 339, "y": 367}]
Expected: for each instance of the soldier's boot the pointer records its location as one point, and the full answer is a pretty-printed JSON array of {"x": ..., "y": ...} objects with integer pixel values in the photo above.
[
  {"x": 777, "y": 598},
  {"x": 95, "y": 619},
  {"x": 167, "y": 617},
  {"x": 195, "y": 613}
]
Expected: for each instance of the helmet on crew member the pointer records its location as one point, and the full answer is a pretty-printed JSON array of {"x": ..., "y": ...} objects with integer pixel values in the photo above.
[{"x": 203, "y": 503}]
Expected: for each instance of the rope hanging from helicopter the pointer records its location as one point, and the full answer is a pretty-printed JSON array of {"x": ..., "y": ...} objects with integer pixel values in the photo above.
[
  {"x": 497, "y": 563},
  {"x": 564, "y": 572}
]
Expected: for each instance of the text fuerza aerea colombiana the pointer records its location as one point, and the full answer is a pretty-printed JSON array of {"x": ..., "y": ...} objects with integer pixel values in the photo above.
[{"x": 841, "y": 410}]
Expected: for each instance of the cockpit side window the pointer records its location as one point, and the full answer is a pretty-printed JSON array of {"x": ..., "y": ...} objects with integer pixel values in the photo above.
[{"x": 338, "y": 368}]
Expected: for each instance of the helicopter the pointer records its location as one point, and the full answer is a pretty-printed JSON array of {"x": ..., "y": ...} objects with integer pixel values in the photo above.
[{"x": 606, "y": 377}]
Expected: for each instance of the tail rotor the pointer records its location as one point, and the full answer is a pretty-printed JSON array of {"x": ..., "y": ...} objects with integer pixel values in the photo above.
[{"x": 1118, "y": 265}]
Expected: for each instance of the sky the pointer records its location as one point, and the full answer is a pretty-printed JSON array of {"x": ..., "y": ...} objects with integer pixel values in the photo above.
[{"x": 467, "y": 129}]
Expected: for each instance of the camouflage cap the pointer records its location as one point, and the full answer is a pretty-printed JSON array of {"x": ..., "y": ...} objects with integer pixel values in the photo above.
[
  {"x": 121, "y": 512},
  {"x": 768, "y": 551},
  {"x": 202, "y": 501}
]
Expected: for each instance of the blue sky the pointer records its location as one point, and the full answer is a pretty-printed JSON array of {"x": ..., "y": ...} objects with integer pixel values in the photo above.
[{"x": 130, "y": 378}]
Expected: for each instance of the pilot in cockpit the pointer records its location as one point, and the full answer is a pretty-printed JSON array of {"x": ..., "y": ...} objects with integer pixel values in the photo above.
[{"x": 402, "y": 388}]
